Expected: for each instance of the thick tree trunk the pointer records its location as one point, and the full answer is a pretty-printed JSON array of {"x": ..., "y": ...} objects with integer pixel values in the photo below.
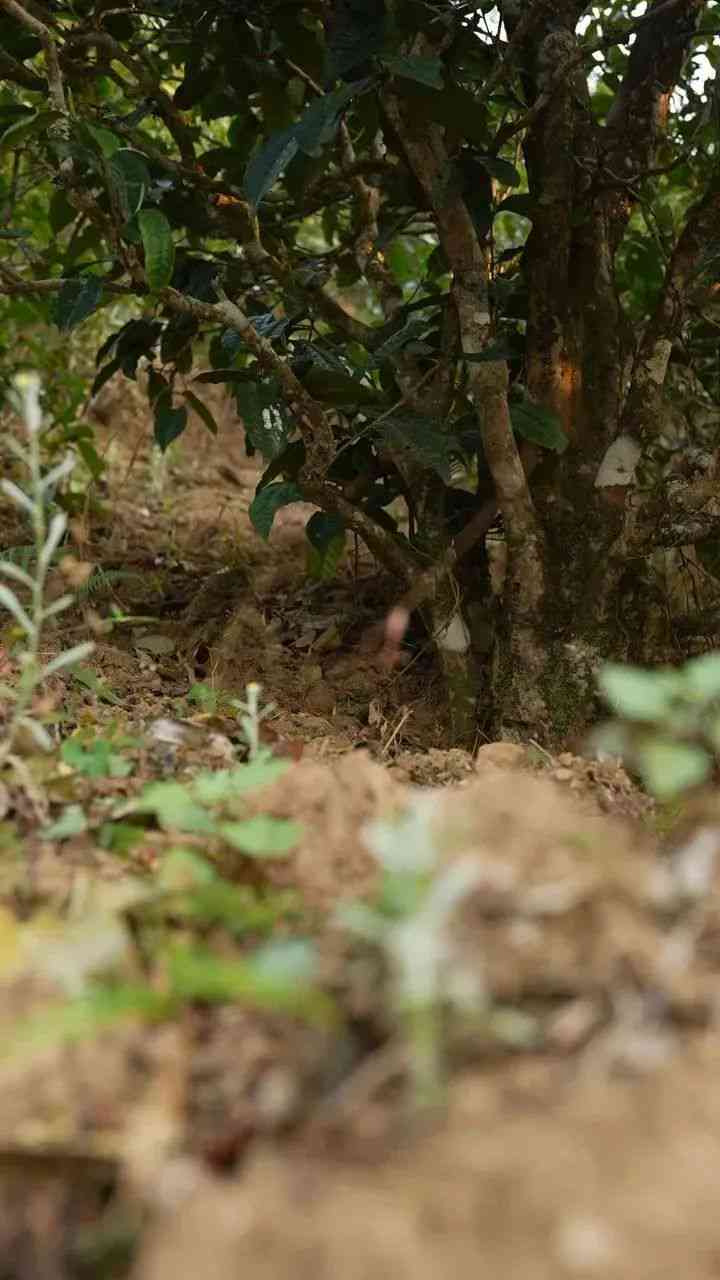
[{"x": 601, "y": 599}]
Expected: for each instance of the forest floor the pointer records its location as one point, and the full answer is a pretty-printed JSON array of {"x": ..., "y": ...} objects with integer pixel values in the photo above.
[{"x": 203, "y": 1070}]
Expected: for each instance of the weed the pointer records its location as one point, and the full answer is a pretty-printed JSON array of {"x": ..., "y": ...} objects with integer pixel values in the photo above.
[
  {"x": 48, "y": 531},
  {"x": 409, "y": 921},
  {"x": 666, "y": 724}
]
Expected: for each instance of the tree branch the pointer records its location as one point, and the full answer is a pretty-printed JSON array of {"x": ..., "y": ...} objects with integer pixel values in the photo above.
[
  {"x": 147, "y": 83},
  {"x": 638, "y": 115},
  {"x": 11, "y": 69},
  {"x": 316, "y": 431},
  {"x": 12, "y": 284},
  {"x": 525, "y": 655},
  {"x": 47, "y": 40}
]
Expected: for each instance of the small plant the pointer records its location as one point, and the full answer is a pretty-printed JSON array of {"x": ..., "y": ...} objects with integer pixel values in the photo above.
[
  {"x": 205, "y": 697},
  {"x": 251, "y": 715},
  {"x": 48, "y": 531},
  {"x": 666, "y": 724},
  {"x": 409, "y": 921},
  {"x": 211, "y": 806}
]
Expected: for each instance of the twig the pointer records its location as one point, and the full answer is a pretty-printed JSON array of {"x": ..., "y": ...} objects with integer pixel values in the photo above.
[{"x": 47, "y": 40}]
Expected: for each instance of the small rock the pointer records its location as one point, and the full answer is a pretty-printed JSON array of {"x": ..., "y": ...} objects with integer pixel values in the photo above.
[{"x": 500, "y": 755}]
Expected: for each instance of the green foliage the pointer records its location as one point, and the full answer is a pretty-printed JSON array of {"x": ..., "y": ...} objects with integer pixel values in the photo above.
[
  {"x": 26, "y": 603},
  {"x": 268, "y": 427},
  {"x": 326, "y": 535},
  {"x": 539, "y": 425},
  {"x": 410, "y": 920},
  {"x": 76, "y": 301},
  {"x": 96, "y": 757},
  {"x": 170, "y": 420},
  {"x": 239, "y": 153},
  {"x": 131, "y": 178},
  {"x": 427, "y": 71},
  {"x": 667, "y": 722},
  {"x": 268, "y": 501},
  {"x": 212, "y": 804},
  {"x": 157, "y": 241}
]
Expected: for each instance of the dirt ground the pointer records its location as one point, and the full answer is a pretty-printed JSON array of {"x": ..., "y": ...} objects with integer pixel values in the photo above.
[{"x": 578, "y": 1133}]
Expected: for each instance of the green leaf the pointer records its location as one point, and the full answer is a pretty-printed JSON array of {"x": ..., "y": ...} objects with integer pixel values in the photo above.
[
  {"x": 72, "y": 822},
  {"x": 318, "y": 124},
  {"x": 169, "y": 422},
  {"x": 226, "y": 784},
  {"x": 202, "y": 412},
  {"x": 96, "y": 759},
  {"x": 314, "y": 130},
  {"x": 18, "y": 134},
  {"x": 322, "y": 527},
  {"x": 332, "y": 386},
  {"x": 196, "y": 974},
  {"x": 267, "y": 163},
  {"x": 76, "y": 301},
  {"x": 268, "y": 501},
  {"x": 264, "y": 419},
  {"x": 702, "y": 676},
  {"x": 454, "y": 107},
  {"x": 412, "y": 331},
  {"x": 107, "y": 143},
  {"x": 326, "y": 534},
  {"x": 131, "y": 231},
  {"x": 60, "y": 212},
  {"x": 539, "y": 425},
  {"x": 159, "y": 247},
  {"x": 427, "y": 71},
  {"x": 89, "y": 679},
  {"x": 262, "y": 836},
  {"x": 287, "y": 464},
  {"x": 422, "y": 440},
  {"x": 105, "y": 374},
  {"x": 199, "y": 81},
  {"x": 131, "y": 179},
  {"x": 502, "y": 170},
  {"x": 217, "y": 377},
  {"x": 669, "y": 767},
  {"x": 641, "y": 695},
  {"x": 175, "y": 809}
]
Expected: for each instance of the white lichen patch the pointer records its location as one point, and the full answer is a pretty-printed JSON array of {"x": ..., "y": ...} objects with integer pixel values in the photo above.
[
  {"x": 618, "y": 465},
  {"x": 455, "y": 637}
]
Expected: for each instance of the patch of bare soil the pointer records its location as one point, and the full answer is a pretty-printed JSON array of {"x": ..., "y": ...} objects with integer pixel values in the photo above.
[
  {"x": 579, "y": 1131},
  {"x": 580, "y": 1135},
  {"x": 591, "y": 1150}
]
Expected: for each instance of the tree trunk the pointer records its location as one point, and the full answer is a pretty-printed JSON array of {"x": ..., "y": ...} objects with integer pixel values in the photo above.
[{"x": 600, "y": 601}]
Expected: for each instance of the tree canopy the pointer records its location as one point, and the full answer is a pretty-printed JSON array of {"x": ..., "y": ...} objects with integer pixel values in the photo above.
[{"x": 451, "y": 260}]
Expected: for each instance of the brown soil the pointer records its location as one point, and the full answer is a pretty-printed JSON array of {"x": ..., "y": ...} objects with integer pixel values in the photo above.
[{"x": 579, "y": 1132}]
